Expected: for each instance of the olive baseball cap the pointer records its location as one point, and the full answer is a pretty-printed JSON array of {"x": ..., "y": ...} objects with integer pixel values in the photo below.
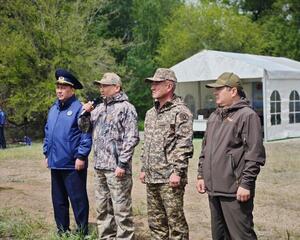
[
  {"x": 228, "y": 79},
  {"x": 109, "y": 78},
  {"x": 162, "y": 74}
]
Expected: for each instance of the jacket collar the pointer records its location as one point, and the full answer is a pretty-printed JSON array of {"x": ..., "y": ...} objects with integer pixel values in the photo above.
[
  {"x": 176, "y": 100},
  {"x": 119, "y": 97},
  {"x": 225, "y": 112}
]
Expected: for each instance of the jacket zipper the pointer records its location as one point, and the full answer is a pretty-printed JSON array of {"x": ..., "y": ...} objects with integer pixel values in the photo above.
[{"x": 210, "y": 157}]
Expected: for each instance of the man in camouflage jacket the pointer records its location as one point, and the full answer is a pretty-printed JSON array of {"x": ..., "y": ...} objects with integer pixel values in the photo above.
[
  {"x": 166, "y": 151},
  {"x": 115, "y": 134}
]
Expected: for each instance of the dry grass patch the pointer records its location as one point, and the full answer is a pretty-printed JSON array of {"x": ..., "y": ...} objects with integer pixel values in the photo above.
[{"x": 25, "y": 185}]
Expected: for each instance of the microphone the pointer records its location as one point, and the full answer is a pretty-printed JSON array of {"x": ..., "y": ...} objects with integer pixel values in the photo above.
[{"x": 95, "y": 102}]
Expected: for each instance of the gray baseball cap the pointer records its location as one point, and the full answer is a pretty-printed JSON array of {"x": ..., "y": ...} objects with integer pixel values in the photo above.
[{"x": 109, "y": 78}]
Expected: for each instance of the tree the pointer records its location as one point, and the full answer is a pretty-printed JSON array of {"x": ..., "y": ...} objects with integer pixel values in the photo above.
[
  {"x": 113, "y": 20},
  {"x": 280, "y": 20},
  {"x": 282, "y": 29},
  {"x": 256, "y": 8},
  {"x": 207, "y": 26},
  {"x": 40, "y": 36},
  {"x": 149, "y": 17}
]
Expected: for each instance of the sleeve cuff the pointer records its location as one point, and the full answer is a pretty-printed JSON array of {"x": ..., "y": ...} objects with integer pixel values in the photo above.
[
  {"x": 82, "y": 158},
  {"x": 177, "y": 172},
  {"x": 122, "y": 165},
  {"x": 246, "y": 186}
]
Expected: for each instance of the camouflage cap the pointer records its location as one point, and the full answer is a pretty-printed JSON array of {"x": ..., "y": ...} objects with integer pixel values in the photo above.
[
  {"x": 163, "y": 74},
  {"x": 109, "y": 79},
  {"x": 228, "y": 79}
]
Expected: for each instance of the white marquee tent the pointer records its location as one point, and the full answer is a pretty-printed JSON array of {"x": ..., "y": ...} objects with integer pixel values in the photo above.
[{"x": 272, "y": 85}]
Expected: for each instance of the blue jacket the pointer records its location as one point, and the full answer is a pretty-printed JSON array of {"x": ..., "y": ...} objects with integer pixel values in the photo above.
[
  {"x": 64, "y": 142},
  {"x": 2, "y": 118}
]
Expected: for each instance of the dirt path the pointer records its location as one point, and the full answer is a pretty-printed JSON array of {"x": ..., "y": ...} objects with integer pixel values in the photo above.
[{"x": 25, "y": 184}]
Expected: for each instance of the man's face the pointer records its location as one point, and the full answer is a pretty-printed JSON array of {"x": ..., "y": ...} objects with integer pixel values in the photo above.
[
  {"x": 224, "y": 96},
  {"x": 64, "y": 92},
  {"x": 161, "y": 89},
  {"x": 108, "y": 90}
]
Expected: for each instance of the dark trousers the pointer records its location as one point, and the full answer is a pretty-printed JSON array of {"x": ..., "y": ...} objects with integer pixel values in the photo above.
[
  {"x": 2, "y": 138},
  {"x": 231, "y": 219},
  {"x": 70, "y": 184}
]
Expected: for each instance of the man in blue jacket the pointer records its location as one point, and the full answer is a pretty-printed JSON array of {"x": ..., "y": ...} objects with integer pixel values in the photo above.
[
  {"x": 2, "y": 123},
  {"x": 66, "y": 149}
]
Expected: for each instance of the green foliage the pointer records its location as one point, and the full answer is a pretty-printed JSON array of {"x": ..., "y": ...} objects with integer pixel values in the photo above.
[
  {"x": 282, "y": 29},
  {"x": 113, "y": 21},
  {"x": 207, "y": 26},
  {"x": 149, "y": 17},
  {"x": 141, "y": 125},
  {"x": 16, "y": 224},
  {"x": 280, "y": 20},
  {"x": 130, "y": 37},
  {"x": 39, "y": 37},
  {"x": 256, "y": 8}
]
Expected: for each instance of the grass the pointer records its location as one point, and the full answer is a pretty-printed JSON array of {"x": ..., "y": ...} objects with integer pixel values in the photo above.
[
  {"x": 26, "y": 211},
  {"x": 21, "y": 225},
  {"x": 17, "y": 224}
]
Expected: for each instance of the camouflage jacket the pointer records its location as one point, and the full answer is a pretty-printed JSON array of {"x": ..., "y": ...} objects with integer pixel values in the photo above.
[
  {"x": 115, "y": 133},
  {"x": 168, "y": 141}
]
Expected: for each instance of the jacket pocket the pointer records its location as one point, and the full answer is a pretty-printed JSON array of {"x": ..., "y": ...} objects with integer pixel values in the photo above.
[{"x": 224, "y": 175}]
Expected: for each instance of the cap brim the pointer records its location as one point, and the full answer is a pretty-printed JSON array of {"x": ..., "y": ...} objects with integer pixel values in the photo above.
[
  {"x": 214, "y": 85},
  {"x": 96, "y": 82},
  {"x": 154, "y": 80}
]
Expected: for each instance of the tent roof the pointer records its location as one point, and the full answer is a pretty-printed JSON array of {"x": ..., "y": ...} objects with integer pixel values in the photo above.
[{"x": 208, "y": 65}]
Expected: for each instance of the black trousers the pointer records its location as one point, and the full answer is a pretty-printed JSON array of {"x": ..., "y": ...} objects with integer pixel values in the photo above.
[
  {"x": 2, "y": 138},
  {"x": 231, "y": 219},
  {"x": 65, "y": 185}
]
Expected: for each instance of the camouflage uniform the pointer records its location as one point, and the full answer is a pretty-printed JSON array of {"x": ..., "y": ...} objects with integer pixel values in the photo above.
[
  {"x": 115, "y": 134},
  {"x": 167, "y": 148}
]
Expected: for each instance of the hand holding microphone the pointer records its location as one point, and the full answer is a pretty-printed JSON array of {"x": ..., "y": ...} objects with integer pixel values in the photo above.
[{"x": 89, "y": 106}]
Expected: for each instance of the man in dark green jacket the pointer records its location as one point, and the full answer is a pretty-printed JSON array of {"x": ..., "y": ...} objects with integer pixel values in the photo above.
[{"x": 230, "y": 160}]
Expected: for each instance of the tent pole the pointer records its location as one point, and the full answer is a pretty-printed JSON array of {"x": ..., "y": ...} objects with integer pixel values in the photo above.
[{"x": 265, "y": 100}]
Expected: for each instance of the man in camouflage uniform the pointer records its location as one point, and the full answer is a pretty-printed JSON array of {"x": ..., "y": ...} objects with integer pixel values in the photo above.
[
  {"x": 167, "y": 148},
  {"x": 115, "y": 134}
]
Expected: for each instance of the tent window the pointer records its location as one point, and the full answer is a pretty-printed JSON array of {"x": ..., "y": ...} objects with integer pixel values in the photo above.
[
  {"x": 294, "y": 107},
  {"x": 275, "y": 108}
]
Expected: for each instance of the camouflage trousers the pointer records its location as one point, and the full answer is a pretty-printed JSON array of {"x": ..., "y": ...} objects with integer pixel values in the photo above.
[
  {"x": 165, "y": 212},
  {"x": 113, "y": 205}
]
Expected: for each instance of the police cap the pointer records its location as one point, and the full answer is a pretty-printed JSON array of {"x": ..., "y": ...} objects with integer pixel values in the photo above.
[{"x": 64, "y": 77}]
